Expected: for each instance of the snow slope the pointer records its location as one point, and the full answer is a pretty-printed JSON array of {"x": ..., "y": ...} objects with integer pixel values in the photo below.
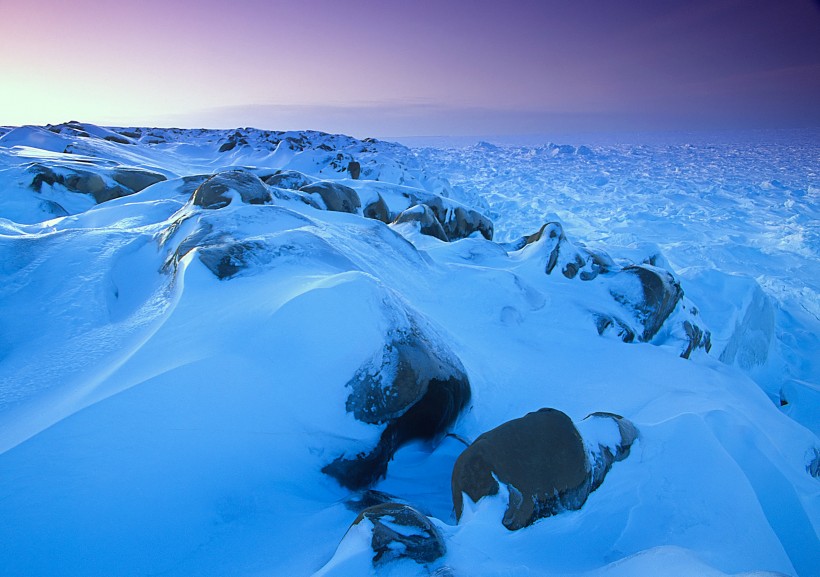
[{"x": 174, "y": 377}]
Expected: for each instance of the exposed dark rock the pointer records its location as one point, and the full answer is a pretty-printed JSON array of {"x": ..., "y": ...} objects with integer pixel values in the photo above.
[
  {"x": 290, "y": 179},
  {"x": 428, "y": 223},
  {"x": 608, "y": 325},
  {"x": 137, "y": 179},
  {"x": 601, "y": 262},
  {"x": 355, "y": 169},
  {"x": 698, "y": 338},
  {"x": 117, "y": 139},
  {"x": 191, "y": 183},
  {"x": 215, "y": 192},
  {"x": 225, "y": 260},
  {"x": 110, "y": 193},
  {"x": 459, "y": 221},
  {"x": 573, "y": 261},
  {"x": 401, "y": 532},
  {"x": 539, "y": 457},
  {"x": 337, "y": 197},
  {"x": 193, "y": 240},
  {"x": 84, "y": 182},
  {"x": 414, "y": 387},
  {"x": 659, "y": 295},
  {"x": 377, "y": 210},
  {"x": 43, "y": 175},
  {"x": 553, "y": 234},
  {"x": 91, "y": 183},
  {"x": 129, "y": 180},
  {"x": 572, "y": 268},
  {"x": 813, "y": 467}
]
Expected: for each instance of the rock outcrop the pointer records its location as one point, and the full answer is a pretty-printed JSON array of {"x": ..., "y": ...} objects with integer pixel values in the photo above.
[
  {"x": 426, "y": 220},
  {"x": 377, "y": 209},
  {"x": 542, "y": 460},
  {"x": 336, "y": 197},
  {"x": 651, "y": 293},
  {"x": 290, "y": 179},
  {"x": 459, "y": 221},
  {"x": 103, "y": 185},
  {"x": 415, "y": 388},
  {"x": 401, "y": 532},
  {"x": 216, "y": 191},
  {"x": 136, "y": 179}
]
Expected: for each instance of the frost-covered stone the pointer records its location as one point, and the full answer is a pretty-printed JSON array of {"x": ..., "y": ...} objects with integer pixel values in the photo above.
[
  {"x": 651, "y": 294},
  {"x": 78, "y": 180},
  {"x": 561, "y": 254},
  {"x": 336, "y": 197},
  {"x": 606, "y": 447},
  {"x": 137, "y": 179},
  {"x": 377, "y": 209},
  {"x": 425, "y": 219},
  {"x": 459, "y": 221},
  {"x": 401, "y": 532},
  {"x": 227, "y": 259},
  {"x": 290, "y": 179},
  {"x": 216, "y": 191}
]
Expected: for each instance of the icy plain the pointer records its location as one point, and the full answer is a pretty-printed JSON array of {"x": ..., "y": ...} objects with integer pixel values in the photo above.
[{"x": 174, "y": 377}]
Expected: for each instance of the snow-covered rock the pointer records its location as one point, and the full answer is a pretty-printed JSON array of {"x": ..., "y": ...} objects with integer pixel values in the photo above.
[{"x": 543, "y": 462}]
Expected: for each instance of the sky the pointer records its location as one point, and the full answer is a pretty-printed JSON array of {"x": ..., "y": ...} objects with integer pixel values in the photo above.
[{"x": 413, "y": 67}]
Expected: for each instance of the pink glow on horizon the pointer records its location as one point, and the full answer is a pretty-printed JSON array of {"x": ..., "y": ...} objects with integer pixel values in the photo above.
[{"x": 660, "y": 63}]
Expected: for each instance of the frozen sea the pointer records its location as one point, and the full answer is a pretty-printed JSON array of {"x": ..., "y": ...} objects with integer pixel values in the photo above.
[{"x": 742, "y": 203}]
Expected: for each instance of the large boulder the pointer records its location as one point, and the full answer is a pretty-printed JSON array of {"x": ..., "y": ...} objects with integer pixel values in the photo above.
[
  {"x": 377, "y": 209},
  {"x": 563, "y": 255},
  {"x": 84, "y": 182},
  {"x": 137, "y": 179},
  {"x": 79, "y": 181},
  {"x": 226, "y": 260},
  {"x": 336, "y": 197},
  {"x": 216, "y": 191},
  {"x": 425, "y": 219},
  {"x": 289, "y": 179},
  {"x": 459, "y": 221},
  {"x": 649, "y": 292},
  {"x": 415, "y": 388},
  {"x": 542, "y": 460}
]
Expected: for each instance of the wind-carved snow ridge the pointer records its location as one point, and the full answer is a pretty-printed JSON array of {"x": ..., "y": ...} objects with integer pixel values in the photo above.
[{"x": 219, "y": 345}]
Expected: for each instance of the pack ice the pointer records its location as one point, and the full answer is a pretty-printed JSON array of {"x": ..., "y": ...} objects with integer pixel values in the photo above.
[{"x": 246, "y": 352}]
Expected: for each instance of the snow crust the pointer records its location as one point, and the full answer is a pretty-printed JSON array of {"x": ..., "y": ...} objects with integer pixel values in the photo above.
[{"x": 157, "y": 419}]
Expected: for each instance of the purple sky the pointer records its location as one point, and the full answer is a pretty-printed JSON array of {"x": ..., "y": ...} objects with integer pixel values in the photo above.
[{"x": 420, "y": 67}]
